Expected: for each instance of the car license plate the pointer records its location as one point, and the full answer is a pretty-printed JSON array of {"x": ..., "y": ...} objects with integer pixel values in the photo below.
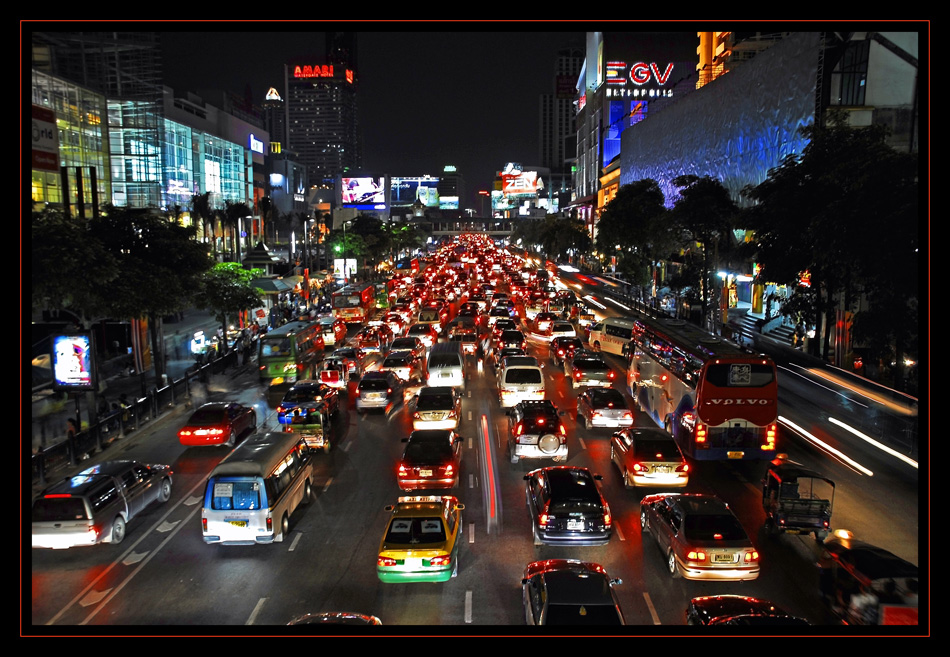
[
  {"x": 373, "y": 395},
  {"x": 723, "y": 558},
  {"x": 611, "y": 423},
  {"x": 238, "y": 523},
  {"x": 277, "y": 380},
  {"x": 662, "y": 469},
  {"x": 446, "y": 375},
  {"x": 425, "y": 473},
  {"x": 735, "y": 455},
  {"x": 574, "y": 524}
]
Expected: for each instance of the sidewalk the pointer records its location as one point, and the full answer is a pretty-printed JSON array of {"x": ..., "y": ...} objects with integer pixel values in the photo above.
[{"x": 50, "y": 413}]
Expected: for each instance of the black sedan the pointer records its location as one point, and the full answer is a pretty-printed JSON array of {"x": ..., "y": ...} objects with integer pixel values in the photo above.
[
  {"x": 566, "y": 507},
  {"x": 737, "y": 610},
  {"x": 562, "y": 349},
  {"x": 308, "y": 392},
  {"x": 569, "y": 592}
]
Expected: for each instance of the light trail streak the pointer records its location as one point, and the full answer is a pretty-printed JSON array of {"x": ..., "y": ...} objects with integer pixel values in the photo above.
[
  {"x": 866, "y": 438},
  {"x": 595, "y": 302},
  {"x": 825, "y": 446}
]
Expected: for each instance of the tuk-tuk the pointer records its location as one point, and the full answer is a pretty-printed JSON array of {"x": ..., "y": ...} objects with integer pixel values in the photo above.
[
  {"x": 867, "y": 585},
  {"x": 797, "y": 500},
  {"x": 312, "y": 422},
  {"x": 334, "y": 373}
]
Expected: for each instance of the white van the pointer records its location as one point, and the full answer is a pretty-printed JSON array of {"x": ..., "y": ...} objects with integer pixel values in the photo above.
[
  {"x": 446, "y": 365},
  {"x": 252, "y": 493},
  {"x": 519, "y": 378}
]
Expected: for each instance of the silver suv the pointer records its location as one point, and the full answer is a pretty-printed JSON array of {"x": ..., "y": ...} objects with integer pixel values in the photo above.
[{"x": 95, "y": 505}]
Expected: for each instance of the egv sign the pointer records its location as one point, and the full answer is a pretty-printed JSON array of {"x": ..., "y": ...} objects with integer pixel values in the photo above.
[{"x": 639, "y": 74}]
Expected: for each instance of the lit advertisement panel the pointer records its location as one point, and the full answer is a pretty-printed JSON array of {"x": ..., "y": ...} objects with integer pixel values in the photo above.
[
  {"x": 406, "y": 191},
  {"x": 449, "y": 203},
  {"x": 363, "y": 193},
  {"x": 72, "y": 362},
  {"x": 523, "y": 182}
]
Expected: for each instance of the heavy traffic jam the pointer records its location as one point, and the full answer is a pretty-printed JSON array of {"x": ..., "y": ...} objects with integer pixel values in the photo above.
[{"x": 669, "y": 399}]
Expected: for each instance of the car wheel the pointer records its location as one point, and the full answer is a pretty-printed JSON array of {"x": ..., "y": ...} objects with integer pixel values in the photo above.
[
  {"x": 587, "y": 423},
  {"x": 535, "y": 535},
  {"x": 455, "y": 566},
  {"x": 671, "y": 564},
  {"x": 627, "y": 481},
  {"x": 230, "y": 441},
  {"x": 118, "y": 530},
  {"x": 570, "y": 382},
  {"x": 511, "y": 454},
  {"x": 644, "y": 525},
  {"x": 253, "y": 426},
  {"x": 308, "y": 495},
  {"x": 165, "y": 491},
  {"x": 284, "y": 528}
]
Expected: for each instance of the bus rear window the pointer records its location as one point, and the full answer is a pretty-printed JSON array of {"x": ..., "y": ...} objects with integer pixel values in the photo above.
[
  {"x": 740, "y": 375},
  {"x": 279, "y": 347},
  {"x": 235, "y": 494}
]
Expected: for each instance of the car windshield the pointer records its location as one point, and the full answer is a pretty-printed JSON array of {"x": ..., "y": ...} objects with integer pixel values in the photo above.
[
  {"x": 707, "y": 527},
  {"x": 413, "y": 531},
  {"x": 523, "y": 376}
]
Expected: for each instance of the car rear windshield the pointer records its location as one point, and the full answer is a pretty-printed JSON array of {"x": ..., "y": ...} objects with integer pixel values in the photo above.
[
  {"x": 582, "y": 614},
  {"x": 526, "y": 375},
  {"x": 428, "y": 315},
  {"x": 435, "y": 402},
  {"x": 207, "y": 416},
  {"x": 591, "y": 364},
  {"x": 444, "y": 360},
  {"x": 656, "y": 450},
  {"x": 416, "y": 531},
  {"x": 304, "y": 395},
  {"x": 58, "y": 509},
  {"x": 702, "y": 527},
  {"x": 428, "y": 451},
  {"x": 374, "y": 384}
]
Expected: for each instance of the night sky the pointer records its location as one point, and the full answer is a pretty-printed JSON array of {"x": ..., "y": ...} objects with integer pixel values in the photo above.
[{"x": 465, "y": 95}]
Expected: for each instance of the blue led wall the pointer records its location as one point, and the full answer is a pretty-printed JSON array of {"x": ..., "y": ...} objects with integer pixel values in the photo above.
[{"x": 734, "y": 129}]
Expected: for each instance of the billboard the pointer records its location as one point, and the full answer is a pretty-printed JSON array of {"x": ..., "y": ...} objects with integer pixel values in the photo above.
[
  {"x": 521, "y": 182},
  {"x": 72, "y": 362},
  {"x": 45, "y": 136},
  {"x": 364, "y": 193},
  {"x": 406, "y": 191}
]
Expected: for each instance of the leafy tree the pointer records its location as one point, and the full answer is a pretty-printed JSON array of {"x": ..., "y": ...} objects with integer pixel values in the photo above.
[
  {"x": 201, "y": 208},
  {"x": 707, "y": 214},
  {"x": 233, "y": 214},
  {"x": 637, "y": 221},
  {"x": 226, "y": 291},
  {"x": 69, "y": 268},
  {"x": 845, "y": 210},
  {"x": 160, "y": 262}
]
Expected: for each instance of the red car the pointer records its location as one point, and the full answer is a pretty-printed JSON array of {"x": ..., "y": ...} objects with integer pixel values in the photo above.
[{"x": 217, "y": 423}]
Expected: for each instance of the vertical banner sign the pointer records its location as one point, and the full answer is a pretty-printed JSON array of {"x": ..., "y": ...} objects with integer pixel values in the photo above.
[
  {"x": 45, "y": 136},
  {"x": 141, "y": 353}
]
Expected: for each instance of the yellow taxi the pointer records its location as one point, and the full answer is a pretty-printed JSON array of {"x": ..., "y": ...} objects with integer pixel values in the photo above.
[{"x": 422, "y": 539}]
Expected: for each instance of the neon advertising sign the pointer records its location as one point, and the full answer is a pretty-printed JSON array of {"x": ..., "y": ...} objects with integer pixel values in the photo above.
[
  {"x": 625, "y": 81},
  {"x": 313, "y": 71}
]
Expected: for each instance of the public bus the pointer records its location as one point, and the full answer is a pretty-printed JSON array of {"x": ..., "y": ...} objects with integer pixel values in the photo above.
[
  {"x": 354, "y": 303},
  {"x": 290, "y": 352},
  {"x": 718, "y": 400}
]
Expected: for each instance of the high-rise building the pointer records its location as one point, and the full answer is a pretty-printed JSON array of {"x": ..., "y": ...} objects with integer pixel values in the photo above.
[
  {"x": 321, "y": 111},
  {"x": 557, "y": 134}
]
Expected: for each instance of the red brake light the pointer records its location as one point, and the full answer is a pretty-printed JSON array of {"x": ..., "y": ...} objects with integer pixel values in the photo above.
[
  {"x": 700, "y": 433},
  {"x": 385, "y": 561},
  {"x": 696, "y": 555},
  {"x": 441, "y": 560},
  {"x": 751, "y": 556}
]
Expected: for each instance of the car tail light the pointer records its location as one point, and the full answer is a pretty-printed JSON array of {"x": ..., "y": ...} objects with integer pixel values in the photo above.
[
  {"x": 441, "y": 560},
  {"x": 448, "y": 469},
  {"x": 639, "y": 467},
  {"x": 402, "y": 470},
  {"x": 770, "y": 434},
  {"x": 543, "y": 517},
  {"x": 562, "y": 430},
  {"x": 628, "y": 415},
  {"x": 607, "y": 518},
  {"x": 560, "y": 352},
  {"x": 270, "y": 524},
  {"x": 610, "y": 374},
  {"x": 204, "y": 525},
  {"x": 385, "y": 561},
  {"x": 751, "y": 556},
  {"x": 696, "y": 555},
  {"x": 682, "y": 468},
  {"x": 519, "y": 429},
  {"x": 700, "y": 432}
]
